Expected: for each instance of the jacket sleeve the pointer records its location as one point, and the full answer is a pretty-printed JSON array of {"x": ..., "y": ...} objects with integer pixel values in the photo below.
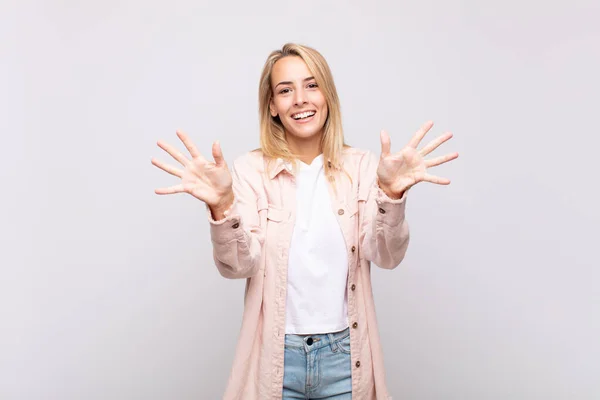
[
  {"x": 238, "y": 238},
  {"x": 384, "y": 233}
]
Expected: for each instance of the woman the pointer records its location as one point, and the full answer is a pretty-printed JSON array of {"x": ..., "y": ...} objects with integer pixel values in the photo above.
[{"x": 301, "y": 219}]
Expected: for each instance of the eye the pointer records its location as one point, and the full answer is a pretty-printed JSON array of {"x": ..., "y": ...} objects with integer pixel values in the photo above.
[
  {"x": 284, "y": 91},
  {"x": 313, "y": 85}
]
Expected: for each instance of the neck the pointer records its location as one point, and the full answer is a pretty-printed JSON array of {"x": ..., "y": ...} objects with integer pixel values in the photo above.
[{"x": 306, "y": 149}]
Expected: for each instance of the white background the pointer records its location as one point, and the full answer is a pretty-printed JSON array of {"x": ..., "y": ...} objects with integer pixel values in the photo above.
[{"x": 108, "y": 291}]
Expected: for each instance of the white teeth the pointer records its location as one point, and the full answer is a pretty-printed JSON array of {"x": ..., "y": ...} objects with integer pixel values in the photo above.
[{"x": 303, "y": 115}]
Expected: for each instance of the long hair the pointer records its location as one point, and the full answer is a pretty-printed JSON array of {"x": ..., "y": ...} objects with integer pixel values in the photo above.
[{"x": 272, "y": 134}]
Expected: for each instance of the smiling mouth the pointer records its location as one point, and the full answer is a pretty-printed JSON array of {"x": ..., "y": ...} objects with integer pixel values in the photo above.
[{"x": 303, "y": 115}]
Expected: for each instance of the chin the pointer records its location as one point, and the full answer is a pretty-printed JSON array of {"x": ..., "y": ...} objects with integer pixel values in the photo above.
[{"x": 307, "y": 132}]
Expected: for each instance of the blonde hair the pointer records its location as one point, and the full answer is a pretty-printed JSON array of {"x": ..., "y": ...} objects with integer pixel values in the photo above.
[{"x": 272, "y": 133}]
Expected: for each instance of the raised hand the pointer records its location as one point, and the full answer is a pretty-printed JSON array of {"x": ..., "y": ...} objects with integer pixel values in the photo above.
[
  {"x": 207, "y": 181},
  {"x": 398, "y": 172}
]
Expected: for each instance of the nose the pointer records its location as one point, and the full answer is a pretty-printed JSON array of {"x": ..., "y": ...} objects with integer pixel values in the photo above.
[{"x": 300, "y": 97}]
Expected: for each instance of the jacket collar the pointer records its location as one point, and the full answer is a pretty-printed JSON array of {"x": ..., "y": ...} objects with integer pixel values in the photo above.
[
  {"x": 278, "y": 166},
  {"x": 281, "y": 165}
]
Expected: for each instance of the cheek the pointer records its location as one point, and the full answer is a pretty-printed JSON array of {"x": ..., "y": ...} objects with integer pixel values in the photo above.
[
  {"x": 322, "y": 103},
  {"x": 324, "y": 108},
  {"x": 282, "y": 106}
]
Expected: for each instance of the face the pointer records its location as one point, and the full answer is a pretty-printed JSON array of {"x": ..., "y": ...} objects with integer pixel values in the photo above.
[{"x": 297, "y": 99}]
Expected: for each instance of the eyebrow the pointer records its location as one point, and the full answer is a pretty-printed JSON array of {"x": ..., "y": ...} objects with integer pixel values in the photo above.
[{"x": 290, "y": 82}]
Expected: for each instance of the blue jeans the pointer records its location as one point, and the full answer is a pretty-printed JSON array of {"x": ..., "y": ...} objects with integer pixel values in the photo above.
[{"x": 318, "y": 366}]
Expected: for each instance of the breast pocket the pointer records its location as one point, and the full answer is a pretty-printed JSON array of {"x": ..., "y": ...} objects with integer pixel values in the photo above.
[
  {"x": 276, "y": 219},
  {"x": 275, "y": 214},
  {"x": 351, "y": 224},
  {"x": 352, "y": 207}
]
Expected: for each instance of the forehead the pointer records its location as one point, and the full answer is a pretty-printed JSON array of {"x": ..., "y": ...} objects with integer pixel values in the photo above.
[{"x": 289, "y": 68}]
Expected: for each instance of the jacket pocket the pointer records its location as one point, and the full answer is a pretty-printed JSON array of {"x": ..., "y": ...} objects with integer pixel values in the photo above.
[
  {"x": 273, "y": 231},
  {"x": 277, "y": 214},
  {"x": 352, "y": 206}
]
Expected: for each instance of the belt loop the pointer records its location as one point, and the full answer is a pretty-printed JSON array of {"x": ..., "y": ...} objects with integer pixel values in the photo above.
[{"x": 332, "y": 342}]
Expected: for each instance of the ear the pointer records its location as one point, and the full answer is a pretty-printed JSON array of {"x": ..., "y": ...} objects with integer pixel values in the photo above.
[{"x": 272, "y": 109}]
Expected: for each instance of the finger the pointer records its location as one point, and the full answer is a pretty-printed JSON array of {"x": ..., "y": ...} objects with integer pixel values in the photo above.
[
  {"x": 170, "y": 190},
  {"x": 167, "y": 168},
  {"x": 440, "y": 160},
  {"x": 418, "y": 136},
  {"x": 434, "y": 144},
  {"x": 176, "y": 154},
  {"x": 187, "y": 142},
  {"x": 436, "y": 179},
  {"x": 386, "y": 143},
  {"x": 218, "y": 154}
]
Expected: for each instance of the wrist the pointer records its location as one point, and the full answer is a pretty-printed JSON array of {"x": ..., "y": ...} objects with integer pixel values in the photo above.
[
  {"x": 218, "y": 210},
  {"x": 392, "y": 194}
]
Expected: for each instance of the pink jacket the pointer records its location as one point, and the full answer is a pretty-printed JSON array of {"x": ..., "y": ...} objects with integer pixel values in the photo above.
[{"x": 252, "y": 242}]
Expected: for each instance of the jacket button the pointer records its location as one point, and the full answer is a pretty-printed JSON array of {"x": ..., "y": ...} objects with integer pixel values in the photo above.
[
  {"x": 353, "y": 249},
  {"x": 236, "y": 225},
  {"x": 355, "y": 325},
  {"x": 381, "y": 210},
  {"x": 357, "y": 364},
  {"x": 353, "y": 287},
  {"x": 341, "y": 211}
]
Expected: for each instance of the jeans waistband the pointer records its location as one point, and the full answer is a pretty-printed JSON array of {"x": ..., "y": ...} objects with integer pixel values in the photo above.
[{"x": 318, "y": 340}]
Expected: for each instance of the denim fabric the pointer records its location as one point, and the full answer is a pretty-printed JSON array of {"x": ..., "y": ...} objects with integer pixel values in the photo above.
[{"x": 321, "y": 370}]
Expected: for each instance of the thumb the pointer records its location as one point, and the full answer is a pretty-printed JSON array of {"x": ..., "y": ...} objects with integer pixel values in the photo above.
[
  {"x": 217, "y": 154},
  {"x": 386, "y": 144}
]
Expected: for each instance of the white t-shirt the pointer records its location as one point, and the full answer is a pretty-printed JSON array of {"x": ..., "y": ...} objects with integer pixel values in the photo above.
[{"x": 317, "y": 300}]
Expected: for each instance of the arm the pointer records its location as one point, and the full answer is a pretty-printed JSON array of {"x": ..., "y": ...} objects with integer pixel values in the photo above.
[
  {"x": 384, "y": 233},
  {"x": 229, "y": 197},
  {"x": 237, "y": 237}
]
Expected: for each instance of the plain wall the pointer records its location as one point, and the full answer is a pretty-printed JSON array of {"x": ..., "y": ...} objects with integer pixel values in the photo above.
[{"x": 108, "y": 291}]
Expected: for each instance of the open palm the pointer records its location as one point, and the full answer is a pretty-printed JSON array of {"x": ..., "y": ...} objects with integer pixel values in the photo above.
[
  {"x": 207, "y": 181},
  {"x": 400, "y": 171}
]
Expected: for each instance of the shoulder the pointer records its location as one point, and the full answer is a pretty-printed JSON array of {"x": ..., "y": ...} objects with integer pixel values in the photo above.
[
  {"x": 251, "y": 162},
  {"x": 359, "y": 160},
  {"x": 361, "y": 165}
]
